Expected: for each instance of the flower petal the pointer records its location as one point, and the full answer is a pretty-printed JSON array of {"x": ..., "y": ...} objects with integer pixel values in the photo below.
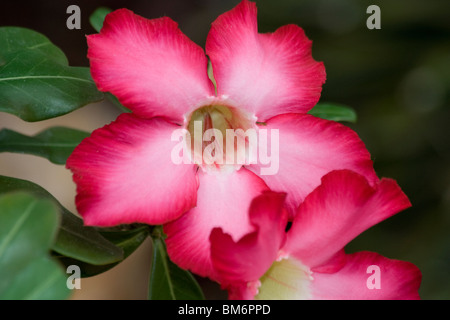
[
  {"x": 266, "y": 74},
  {"x": 243, "y": 291},
  {"x": 223, "y": 201},
  {"x": 249, "y": 258},
  {"x": 310, "y": 147},
  {"x": 342, "y": 207},
  {"x": 124, "y": 174},
  {"x": 358, "y": 280},
  {"x": 149, "y": 65}
]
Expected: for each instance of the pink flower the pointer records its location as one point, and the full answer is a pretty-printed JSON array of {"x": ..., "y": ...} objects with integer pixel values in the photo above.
[
  {"x": 124, "y": 171},
  {"x": 308, "y": 261}
]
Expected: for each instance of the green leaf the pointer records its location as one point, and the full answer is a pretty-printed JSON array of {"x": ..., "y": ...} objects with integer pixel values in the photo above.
[
  {"x": 56, "y": 144},
  {"x": 127, "y": 240},
  {"x": 84, "y": 243},
  {"x": 73, "y": 239},
  {"x": 168, "y": 281},
  {"x": 36, "y": 82},
  {"x": 334, "y": 112},
  {"x": 97, "y": 17},
  {"x": 116, "y": 102},
  {"x": 42, "y": 279},
  {"x": 28, "y": 226}
]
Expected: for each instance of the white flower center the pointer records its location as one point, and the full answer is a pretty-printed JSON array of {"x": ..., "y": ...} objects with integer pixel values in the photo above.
[
  {"x": 220, "y": 137},
  {"x": 287, "y": 279}
]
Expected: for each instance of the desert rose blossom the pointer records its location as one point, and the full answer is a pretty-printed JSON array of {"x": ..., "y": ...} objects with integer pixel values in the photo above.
[
  {"x": 125, "y": 172},
  {"x": 308, "y": 261}
]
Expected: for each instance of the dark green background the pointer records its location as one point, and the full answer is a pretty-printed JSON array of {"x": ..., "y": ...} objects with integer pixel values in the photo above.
[{"x": 396, "y": 78}]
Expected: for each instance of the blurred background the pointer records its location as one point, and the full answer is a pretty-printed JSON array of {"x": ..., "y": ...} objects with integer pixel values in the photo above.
[{"x": 397, "y": 78}]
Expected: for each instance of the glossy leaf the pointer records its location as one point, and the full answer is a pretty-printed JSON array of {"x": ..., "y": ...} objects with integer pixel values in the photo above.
[
  {"x": 42, "y": 279},
  {"x": 73, "y": 240},
  {"x": 117, "y": 103},
  {"x": 56, "y": 144},
  {"x": 168, "y": 281},
  {"x": 28, "y": 227},
  {"x": 334, "y": 112},
  {"x": 36, "y": 82},
  {"x": 97, "y": 17},
  {"x": 127, "y": 240}
]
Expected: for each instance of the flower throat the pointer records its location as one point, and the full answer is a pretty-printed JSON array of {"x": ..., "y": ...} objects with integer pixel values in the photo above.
[{"x": 220, "y": 136}]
